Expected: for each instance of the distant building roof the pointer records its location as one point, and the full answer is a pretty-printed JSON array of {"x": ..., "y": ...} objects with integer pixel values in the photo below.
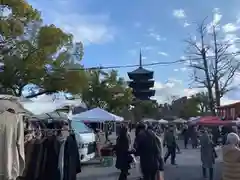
[{"x": 229, "y": 105}]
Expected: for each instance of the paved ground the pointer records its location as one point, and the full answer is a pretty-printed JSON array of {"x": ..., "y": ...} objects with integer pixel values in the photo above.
[{"x": 188, "y": 168}]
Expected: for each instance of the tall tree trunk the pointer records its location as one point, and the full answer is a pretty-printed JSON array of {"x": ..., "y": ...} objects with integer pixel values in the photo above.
[
  {"x": 216, "y": 81},
  {"x": 206, "y": 70}
]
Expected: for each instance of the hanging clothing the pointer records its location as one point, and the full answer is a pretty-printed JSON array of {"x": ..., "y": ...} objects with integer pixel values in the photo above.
[
  {"x": 12, "y": 159},
  {"x": 62, "y": 141},
  {"x": 50, "y": 169},
  {"x": 72, "y": 164},
  {"x": 42, "y": 156}
]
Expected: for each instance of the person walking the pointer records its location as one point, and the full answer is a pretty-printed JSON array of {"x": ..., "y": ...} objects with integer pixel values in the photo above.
[
  {"x": 170, "y": 143},
  {"x": 123, "y": 154},
  {"x": 194, "y": 138},
  {"x": 148, "y": 147},
  {"x": 208, "y": 154},
  {"x": 185, "y": 133}
]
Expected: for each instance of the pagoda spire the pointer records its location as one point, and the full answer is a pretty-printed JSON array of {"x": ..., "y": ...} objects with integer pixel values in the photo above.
[{"x": 140, "y": 58}]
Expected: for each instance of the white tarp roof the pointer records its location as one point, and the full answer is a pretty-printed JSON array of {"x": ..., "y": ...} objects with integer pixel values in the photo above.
[
  {"x": 149, "y": 120},
  {"x": 96, "y": 115},
  {"x": 41, "y": 107},
  {"x": 162, "y": 121},
  {"x": 51, "y": 116},
  {"x": 180, "y": 120}
]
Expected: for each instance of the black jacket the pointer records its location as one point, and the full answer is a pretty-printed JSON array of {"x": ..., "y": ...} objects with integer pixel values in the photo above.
[{"x": 72, "y": 164}]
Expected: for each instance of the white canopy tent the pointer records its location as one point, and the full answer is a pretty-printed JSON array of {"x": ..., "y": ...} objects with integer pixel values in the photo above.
[
  {"x": 150, "y": 120},
  {"x": 179, "y": 121},
  {"x": 41, "y": 107},
  {"x": 96, "y": 115},
  {"x": 162, "y": 121}
]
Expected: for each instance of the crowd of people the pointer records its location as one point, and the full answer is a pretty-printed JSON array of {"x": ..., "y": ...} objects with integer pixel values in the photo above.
[
  {"x": 147, "y": 145},
  {"x": 150, "y": 140}
]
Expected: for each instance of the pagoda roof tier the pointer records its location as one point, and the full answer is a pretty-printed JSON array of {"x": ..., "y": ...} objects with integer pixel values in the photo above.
[
  {"x": 141, "y": 84},
  {"x": 140, "y": 73},
  {"x": 144, "y": 93},
  {"x": 136, "y": 101}
]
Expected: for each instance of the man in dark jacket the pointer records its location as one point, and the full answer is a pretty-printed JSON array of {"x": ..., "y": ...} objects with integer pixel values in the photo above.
[
  {"x": 147, "y": 146},
  {"x": 170, "y": 143}
]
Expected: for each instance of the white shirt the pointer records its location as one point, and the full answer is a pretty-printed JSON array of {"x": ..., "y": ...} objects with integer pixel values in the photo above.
[{"x": 12, "y": 146}]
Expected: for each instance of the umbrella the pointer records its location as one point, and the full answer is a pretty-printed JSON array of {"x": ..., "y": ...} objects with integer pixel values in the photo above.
[{"x": 162, "y": 121}]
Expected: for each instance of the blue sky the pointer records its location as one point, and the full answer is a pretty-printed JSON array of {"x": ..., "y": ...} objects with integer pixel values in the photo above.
[{"x": 114, "y": 31}]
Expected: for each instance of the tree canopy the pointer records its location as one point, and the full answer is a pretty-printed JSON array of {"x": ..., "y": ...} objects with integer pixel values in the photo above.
[
  {"x": 32, "y": 52},
  {"x": 106, "y": 90}
]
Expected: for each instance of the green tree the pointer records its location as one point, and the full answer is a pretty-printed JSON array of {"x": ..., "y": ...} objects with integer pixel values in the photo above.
[
  {"x": 119, "y": 97},
  {"x": 37, "y": 54},
  {"x": 108, "y": 91},
  {"x": 94, "y": 93},
  {"x": 203, "y": 102},
  {"x": 146, "y": 109},
  {"x": 190, "y": 108}
]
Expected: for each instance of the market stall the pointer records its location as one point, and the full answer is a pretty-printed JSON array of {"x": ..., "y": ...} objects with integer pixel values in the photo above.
[
  {"x": 106, "y": 121},
  {"x": 162, "y": 121},
  {"x": 97, "y": 115},
  {"x": 214, "y": 121},
  {"x": 43, "y": 136},
  {"x": 180, "y": 120}
]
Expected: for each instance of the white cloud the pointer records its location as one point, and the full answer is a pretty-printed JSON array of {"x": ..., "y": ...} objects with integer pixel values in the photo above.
[
  {"x": 90, "y": 29},
  {"x": 163, "y": 53},
  {"x": 183, "y": 69},
  {"x": 173, "y": 87},
  {"x": 86, "y": 27},
  {"x": 230, "y": 27},
  {"x": 179, "y": 13},
  {"x": 176, "y": 70},
  {"x": 186, "y": 24},
  {"x": 217, "y": 16},
  {"x": 157, "y": 37}
]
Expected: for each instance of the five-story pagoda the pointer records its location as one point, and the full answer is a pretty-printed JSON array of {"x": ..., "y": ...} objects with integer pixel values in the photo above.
[{"x": 141, "y": 82}]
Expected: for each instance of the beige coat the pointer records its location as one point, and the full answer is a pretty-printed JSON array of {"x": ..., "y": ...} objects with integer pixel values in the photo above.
[
  {"x": 231, "y": 163},
  {"x": 11, "y": 145}
]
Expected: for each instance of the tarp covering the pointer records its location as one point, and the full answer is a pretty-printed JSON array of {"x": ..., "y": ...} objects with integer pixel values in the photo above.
[
  {"x": 150, "y": 120},
  {"x": 162, "y": 121},
  {"x": 40, "y": 107},
  {"x": 179, "y": 120},
  {"x": 96, "y": 115},
  {"x": 12, "y": 102},
  {"x": 213, "y": 120},
  {"x": 51, "y": 116}
]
